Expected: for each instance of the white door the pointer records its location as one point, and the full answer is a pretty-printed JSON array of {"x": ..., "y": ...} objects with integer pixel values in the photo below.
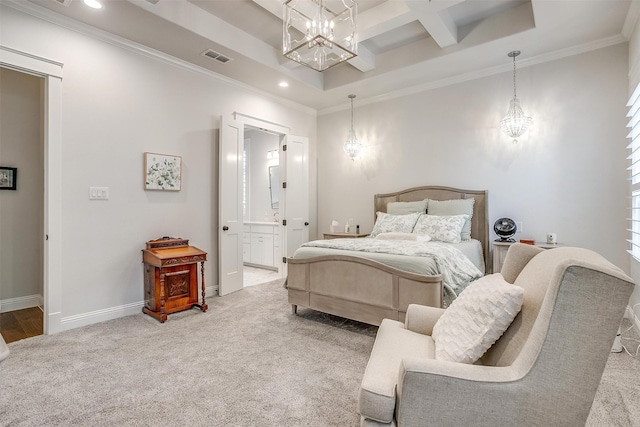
[
  {"x": 295, "y": 203},
  {"x": 230, "y": 206}
]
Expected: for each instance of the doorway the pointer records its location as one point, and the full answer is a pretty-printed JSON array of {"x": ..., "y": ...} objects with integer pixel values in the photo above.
[
  {"x": 22, "y": 104},
  {"x": 292, "y": 198},
  {"x": 260, "y": 206}
]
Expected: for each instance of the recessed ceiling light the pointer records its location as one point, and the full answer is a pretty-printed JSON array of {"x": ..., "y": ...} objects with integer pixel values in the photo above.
[
  {"x": 283, "y": 84},
  {"x": 93, "y": 3}
]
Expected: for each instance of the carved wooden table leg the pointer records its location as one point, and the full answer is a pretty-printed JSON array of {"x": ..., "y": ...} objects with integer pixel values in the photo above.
[
  {"x": 204, "y": 306},
  {"x": 163, "y": 315}
]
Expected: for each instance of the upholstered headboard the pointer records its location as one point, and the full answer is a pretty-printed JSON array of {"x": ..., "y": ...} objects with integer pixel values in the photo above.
[{"x": 479, "y": 224}]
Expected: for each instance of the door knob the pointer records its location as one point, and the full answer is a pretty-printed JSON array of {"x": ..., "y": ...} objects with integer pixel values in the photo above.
[
  {"x": 306, "y": 223},
  {"x": 225, "y": 228}
]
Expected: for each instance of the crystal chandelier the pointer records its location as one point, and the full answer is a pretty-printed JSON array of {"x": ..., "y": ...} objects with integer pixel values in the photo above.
[
  {"x": 515, "y": 122},
  {"x": 319, "y": 33},
  {"x": 352, "y": 146}
]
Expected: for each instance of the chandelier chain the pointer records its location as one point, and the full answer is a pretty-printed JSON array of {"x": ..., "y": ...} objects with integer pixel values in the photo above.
[{"x": 514, "y": 77}]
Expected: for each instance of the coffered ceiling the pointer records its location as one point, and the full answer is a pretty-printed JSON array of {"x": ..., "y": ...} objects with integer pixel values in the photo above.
[{"x": 405, "y": 45}]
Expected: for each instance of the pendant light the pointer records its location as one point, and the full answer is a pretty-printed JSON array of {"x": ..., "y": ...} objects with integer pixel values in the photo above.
[
  {"x": 319, "y": 34},
  {"x": 515, "y": 122},
  {"x": 352, "y": 146}
]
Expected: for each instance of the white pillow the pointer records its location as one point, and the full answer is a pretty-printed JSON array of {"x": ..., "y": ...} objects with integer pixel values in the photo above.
[
  {"x": 454, "y": 207},
  {"x": 387, "y": 223},
  {"x": 441, "y": 228},
  {"x": 403, "y": 208},
  {"x": 404, "y": 236},
  {"x": 476, "y": 319}
]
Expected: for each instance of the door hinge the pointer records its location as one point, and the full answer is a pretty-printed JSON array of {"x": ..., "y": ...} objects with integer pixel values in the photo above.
[
  {"x": 284, "y": 259},
  {"x": 284, "y": 184},
  {"x": 284, "y": 222},
  {"x": 284, "y": 147}
]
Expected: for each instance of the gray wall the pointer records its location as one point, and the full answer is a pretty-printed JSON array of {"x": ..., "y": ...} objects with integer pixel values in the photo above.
[
  {"x": 567, "y": 175},
  {"x": 21, "y": 211},
  {"x": 117, "y": 103}
]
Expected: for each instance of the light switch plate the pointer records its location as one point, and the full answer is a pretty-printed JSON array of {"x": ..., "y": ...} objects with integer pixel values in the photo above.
[{"x": 98, "y": 193}]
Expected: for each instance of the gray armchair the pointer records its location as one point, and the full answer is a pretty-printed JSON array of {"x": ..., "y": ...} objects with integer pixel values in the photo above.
[{"x": 544, "y": 370}]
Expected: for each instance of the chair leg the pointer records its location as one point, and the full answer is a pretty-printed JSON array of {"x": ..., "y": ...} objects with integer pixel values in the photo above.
[{"x": 294, "y": 309}]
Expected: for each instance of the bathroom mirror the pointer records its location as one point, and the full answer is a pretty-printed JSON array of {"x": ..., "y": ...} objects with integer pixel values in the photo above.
[{"x": 274, "y": 185}]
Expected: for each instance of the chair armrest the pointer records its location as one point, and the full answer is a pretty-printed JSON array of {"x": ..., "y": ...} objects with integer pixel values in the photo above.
[
  {"x": 518, "y": 256},
  {"x": 421, "y": 318},
  {"x": 453, "y": 393}
]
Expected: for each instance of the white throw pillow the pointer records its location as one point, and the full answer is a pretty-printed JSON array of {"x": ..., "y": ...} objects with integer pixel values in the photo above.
[
  {"x": 441, "y": 228},
  {"x": 454, "y": 207},
  {"x": 476, "y": 319},
  {"x": 403, "y": 208},
  {"x": 404, "y": 236},
  {"x": 388, "y": 223}
]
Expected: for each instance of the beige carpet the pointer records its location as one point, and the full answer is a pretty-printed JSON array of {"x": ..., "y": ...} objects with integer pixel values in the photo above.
[{"x": 246, "y": 362}]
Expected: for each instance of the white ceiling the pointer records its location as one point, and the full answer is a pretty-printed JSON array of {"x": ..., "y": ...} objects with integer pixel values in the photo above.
[{"x": 405, "y": 45}]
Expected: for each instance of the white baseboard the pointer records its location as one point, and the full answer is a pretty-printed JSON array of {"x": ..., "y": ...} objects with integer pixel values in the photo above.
[
  {"x": 84, "y": 319},
  {"x": 20, "y": 303}
]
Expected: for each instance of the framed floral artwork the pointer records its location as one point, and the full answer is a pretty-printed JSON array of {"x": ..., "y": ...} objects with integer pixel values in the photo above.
[{"x": 162, "y": 172}]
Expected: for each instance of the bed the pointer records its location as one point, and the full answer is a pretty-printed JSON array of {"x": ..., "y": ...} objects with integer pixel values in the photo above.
[{"x": 369, "y": 287}]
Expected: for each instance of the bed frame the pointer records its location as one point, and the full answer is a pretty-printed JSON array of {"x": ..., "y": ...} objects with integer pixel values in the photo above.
[{"x": 368, "y": 291}]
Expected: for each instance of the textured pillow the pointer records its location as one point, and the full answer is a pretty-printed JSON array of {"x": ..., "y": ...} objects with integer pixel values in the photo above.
[
  {"x": 404, "y": 236},
  {"x": 387, "y": 223},
  {"x": 441, "y": 228},
  {"x": 454, "y": 207},
  {"x": 476, "y": 319},
  {"x": 403, "y": 208}
]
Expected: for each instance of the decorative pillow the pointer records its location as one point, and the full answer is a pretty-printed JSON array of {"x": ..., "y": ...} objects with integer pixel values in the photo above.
[
  {"x": 387, "y": 223},
  {"x": 476, "y": 319},
  {"x": 454, "y": 207},
  {"x": 404, "y": 236},
  {"x": 441, "y": 228},
  {"x": 403, "y": 208}
]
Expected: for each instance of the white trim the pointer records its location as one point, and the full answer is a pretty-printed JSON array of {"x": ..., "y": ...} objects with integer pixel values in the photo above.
[
  {"x": 97, "y": 316},
  {"x": 84, "y": 319},
  {"x": 25, "y": 62},
  {"x": 20, "y": 303},
  {"x": 51, "y": 72},
  {"x": 257, "y": 122},
  {"x": 631, "y": 20}
]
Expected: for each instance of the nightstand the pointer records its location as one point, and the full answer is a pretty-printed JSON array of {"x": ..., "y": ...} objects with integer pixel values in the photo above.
[
  {"x": 339, "y": 235},
  {"x": 500, "y": 252}
]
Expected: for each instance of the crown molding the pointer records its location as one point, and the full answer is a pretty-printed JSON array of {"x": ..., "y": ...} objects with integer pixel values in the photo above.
[
  {"x": 486, "y": 72},
  {"x": 104, "y": 36}
]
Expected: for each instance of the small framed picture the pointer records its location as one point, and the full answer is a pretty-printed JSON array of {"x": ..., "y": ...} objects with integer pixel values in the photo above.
[
  {"x": 8, "y": 178},
  {"x": 162, "y": 172}
]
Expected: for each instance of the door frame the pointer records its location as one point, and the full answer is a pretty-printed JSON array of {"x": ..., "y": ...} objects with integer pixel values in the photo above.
[
  {"x": 51, "y": 72},
  {"x": 282, "y": 131}
]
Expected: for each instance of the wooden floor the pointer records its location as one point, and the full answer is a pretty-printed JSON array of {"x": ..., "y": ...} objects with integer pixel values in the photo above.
[{"x": 20, "y": 324}]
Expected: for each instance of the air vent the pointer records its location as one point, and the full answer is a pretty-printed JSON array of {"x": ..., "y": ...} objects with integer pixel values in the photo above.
[
  {"x": 216, "y": 55},
  {"x": 63, "y": 2}
]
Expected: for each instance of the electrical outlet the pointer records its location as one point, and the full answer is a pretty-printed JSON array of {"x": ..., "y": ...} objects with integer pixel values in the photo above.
[
  {"x": 519, "y": 227},
  {"x": 98, "y": 193}
]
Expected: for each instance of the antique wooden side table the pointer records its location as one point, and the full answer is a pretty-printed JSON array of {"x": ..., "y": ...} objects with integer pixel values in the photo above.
[{"x": 171, "y": 277}]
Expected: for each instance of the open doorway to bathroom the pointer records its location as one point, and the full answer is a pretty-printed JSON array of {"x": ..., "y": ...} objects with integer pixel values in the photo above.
[
  {"x": 21, "y": 205},
  {"x": 261, "y": 206}
]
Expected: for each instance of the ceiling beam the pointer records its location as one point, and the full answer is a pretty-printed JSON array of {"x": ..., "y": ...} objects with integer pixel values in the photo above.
[{"x": 435, "y": 18}]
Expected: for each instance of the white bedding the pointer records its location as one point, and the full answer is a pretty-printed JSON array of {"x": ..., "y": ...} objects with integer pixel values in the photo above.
[{"x": 459, "y": 263}]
